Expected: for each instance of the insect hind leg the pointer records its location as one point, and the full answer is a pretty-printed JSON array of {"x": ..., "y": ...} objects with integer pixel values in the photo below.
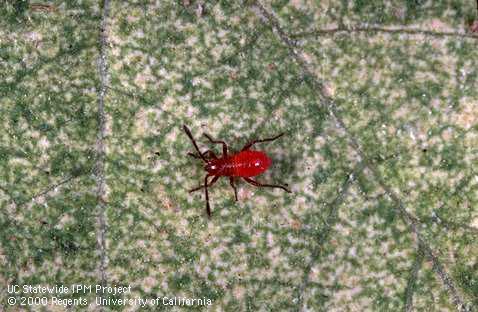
[
  {"x": 248, "y": 145},
  {"x": 257, "y": 184}
]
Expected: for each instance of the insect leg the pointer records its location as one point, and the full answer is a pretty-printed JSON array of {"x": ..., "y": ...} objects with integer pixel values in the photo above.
[
  {"x": 202, "y": 186},
  {"x": 255, "y": 183},
  {"x": 194, "y": 155},
  {"x": 224, "y": 145},
  {"x": 208, "y": 207},
  {"x": 209, "y": 153},
  {"x": 231, "y": 181},
  {"x": 248, "y": 145},
  {"x": 188, "y": 132}
]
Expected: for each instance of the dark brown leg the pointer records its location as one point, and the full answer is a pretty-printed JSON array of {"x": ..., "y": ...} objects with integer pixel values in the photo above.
[
  {"x": 202, "y": 186},
  {"x": 255, "y": 183},
  {"x": 208, "y": 207},
  {"x": 209, "y": 153},
  {"x": 248, "y": 145},
  {"x": 231, "y": 181},
  {"x": 188, "y": 132},
  {"x": 224, "y": 145},
  {"x": 194, "y": 155}
]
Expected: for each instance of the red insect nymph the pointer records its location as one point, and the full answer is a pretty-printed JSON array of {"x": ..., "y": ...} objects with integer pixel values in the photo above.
[{"x": 245, "y": 164}]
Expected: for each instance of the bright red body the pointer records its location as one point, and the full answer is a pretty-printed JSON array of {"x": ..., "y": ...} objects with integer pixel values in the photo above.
[{"x": 243, "y": 164}]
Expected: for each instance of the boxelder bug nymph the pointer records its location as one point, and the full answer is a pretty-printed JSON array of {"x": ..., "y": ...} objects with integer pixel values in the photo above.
[{"x": 245, "y": 164}]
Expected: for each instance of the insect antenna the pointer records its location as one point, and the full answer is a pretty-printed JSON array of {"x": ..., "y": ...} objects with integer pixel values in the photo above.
[{"x": 188, "y": 132}]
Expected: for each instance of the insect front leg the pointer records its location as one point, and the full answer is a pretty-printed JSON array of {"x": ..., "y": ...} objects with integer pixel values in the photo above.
[
  {"x": 207, "y": 153},
  {"x": 189, "y": 134},
  {"x": 224, "y": 145},
  {"x": 208, "y": 207}
]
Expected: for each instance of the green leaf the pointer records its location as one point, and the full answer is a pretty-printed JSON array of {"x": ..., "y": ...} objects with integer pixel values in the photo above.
[{"x": 377, "y": 101}]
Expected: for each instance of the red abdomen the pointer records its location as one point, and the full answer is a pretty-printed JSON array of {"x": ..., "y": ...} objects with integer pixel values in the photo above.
[{"x": 244, "y": 164}]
